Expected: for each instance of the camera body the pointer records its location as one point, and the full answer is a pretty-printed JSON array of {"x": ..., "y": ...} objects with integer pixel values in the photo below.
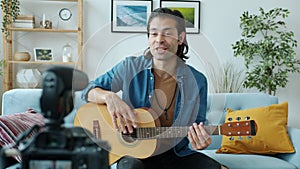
[
  {"x": 55, "y": 146},
  {"x": 69, "y": 148}
]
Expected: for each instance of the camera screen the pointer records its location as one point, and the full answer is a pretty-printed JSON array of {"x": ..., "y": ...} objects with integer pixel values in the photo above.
[{"x": 50, "y": 164}]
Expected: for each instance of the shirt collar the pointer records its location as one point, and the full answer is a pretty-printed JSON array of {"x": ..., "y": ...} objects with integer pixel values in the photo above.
[{"x": 181, "y": 65}]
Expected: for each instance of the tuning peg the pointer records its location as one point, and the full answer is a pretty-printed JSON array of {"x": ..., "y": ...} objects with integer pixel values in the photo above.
[
  {"x": 229, "y": 119},
  {"x": 238, "y": 118},
  {"x": 231, "y": 138},
  {"x": 247, "y": 118},
  {"x": 240, "y": 138},
  {"x": 249, "y": 137}
]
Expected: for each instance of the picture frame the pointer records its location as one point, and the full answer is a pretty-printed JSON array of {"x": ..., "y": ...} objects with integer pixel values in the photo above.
[
  {"x": 130, "y": 15},
  {"x": 43, "y": 54},
  {"x": 190, "y": 11}
]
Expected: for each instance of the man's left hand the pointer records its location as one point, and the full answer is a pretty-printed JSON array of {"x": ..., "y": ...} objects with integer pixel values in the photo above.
[{"x": 198, "y": 136}]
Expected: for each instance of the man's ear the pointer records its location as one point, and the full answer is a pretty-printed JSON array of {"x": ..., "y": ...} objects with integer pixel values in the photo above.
[{"x": 181, "y": 38}]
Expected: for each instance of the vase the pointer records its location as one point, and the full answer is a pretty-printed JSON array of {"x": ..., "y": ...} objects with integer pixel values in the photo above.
[
  {"x": 67, "y": 53},
  {"x": 29, "y": 78}
]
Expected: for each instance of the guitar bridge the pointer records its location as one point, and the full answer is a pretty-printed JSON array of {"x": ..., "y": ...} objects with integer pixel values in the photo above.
[{"x": 96, "y": 129}]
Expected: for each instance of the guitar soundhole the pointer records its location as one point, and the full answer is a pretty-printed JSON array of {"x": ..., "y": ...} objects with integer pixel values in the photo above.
[{"x": 129, "y": 137}]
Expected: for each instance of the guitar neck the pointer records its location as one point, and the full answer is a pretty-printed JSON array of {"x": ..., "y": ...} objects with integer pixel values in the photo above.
[
  {"x": 168, "y": 132},
  {"x": 231, "y": 128}
]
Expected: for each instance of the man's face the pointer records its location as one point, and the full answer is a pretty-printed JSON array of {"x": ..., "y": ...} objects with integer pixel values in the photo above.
[{"x": 163, "y": 38}]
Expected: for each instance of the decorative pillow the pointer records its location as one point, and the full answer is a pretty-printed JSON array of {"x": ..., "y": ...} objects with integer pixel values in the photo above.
[
  {"x": 271, "y": 136},
  {"x": 13, "y": 125}
]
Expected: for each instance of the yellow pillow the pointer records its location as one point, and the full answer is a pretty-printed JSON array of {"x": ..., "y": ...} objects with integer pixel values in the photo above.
[{"x": 271, "y": 136}]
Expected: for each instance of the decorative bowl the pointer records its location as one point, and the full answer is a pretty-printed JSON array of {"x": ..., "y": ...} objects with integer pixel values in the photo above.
[{"x": 22, "y": 56}]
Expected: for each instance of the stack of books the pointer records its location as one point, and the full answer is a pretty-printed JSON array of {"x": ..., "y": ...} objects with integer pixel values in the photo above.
[{"x": 24, "y": 21}]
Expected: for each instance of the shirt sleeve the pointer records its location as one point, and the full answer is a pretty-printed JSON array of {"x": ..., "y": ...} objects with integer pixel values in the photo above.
[
  {"x": 111, "y": 80},
  {"x": 202, "y": 83}
]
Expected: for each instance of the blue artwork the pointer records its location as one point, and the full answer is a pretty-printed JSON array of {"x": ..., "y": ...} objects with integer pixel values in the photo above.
[{"x": 131, "y": 16}]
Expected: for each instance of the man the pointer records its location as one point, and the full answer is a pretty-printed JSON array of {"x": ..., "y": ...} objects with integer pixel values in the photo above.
[{"x": 162, "y": 81}]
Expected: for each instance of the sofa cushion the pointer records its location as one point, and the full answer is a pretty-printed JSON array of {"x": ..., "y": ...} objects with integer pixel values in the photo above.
[
  {"x": 271, "y": 137},
  {"x": 249, "y": 161},
  {"x": 11, "y": 126}
]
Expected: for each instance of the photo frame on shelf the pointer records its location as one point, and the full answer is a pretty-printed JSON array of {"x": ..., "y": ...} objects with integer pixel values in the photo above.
[
  {"x": 130, "y": 15},
  {"x": 43, "y": 54},
  {"x": 190, "y": 11}
]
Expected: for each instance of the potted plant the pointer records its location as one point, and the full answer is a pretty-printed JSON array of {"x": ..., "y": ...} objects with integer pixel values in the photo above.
[
  {"x": 226, "y": 78},
  {"x": 1, "y": 67},
  {"x": 10, "y": 11},
  {"x": 268, "y": 49}
]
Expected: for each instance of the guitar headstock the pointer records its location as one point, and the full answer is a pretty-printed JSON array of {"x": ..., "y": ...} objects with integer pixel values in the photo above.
[{"x": 239, "y": 128}]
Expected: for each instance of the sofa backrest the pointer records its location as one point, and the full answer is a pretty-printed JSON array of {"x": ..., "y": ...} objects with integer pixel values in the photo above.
[
  {"x": 218, "y": 103},
  {"x": 18, "y": 100}
]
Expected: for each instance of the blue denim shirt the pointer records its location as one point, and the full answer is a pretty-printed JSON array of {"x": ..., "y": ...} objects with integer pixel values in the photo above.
[{"x": 133, "y": 76}]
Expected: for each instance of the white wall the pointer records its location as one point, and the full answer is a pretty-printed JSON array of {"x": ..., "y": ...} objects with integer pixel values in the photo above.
[{"x": 219, "y": 29}]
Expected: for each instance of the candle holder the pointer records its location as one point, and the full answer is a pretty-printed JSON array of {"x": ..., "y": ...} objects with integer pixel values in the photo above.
[{"x": 46, "y": 25}]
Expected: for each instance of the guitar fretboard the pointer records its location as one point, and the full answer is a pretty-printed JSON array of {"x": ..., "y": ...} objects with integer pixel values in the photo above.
[{"x": 168, "y": 132}]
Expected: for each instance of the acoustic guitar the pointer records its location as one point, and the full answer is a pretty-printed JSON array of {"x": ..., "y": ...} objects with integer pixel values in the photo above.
[{"x": 142, "y": 143}]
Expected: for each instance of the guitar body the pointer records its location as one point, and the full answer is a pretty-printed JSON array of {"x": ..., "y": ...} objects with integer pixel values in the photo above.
[
  {"x": 148, "y": 135},
  {"x": 120, "y": 144}
]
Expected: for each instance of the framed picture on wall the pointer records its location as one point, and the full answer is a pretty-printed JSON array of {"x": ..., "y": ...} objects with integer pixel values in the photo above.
[
  {"x": 130, "y": 16},
  {"x": 43, "y": 54},
  {"x": 190, "y": 11}
]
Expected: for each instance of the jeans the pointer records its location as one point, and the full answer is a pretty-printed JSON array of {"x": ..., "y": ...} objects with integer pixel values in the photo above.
[{"x": 169, "y": 160}]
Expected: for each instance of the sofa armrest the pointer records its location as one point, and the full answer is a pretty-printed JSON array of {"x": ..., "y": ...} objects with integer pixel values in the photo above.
[
  {"x": 295, "y": 138},
  {"x": 18, "y": 100}
]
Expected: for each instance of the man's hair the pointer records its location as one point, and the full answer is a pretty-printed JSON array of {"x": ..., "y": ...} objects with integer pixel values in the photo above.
[{"x": 179, "y": 18}]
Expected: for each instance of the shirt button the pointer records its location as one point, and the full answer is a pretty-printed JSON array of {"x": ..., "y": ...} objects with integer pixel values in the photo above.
[{"x": 151, "y": 78}]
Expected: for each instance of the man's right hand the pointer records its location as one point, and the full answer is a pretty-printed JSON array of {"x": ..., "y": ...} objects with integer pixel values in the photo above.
[
  {"x": 120, "y": 113},
  {"x": 123, "y": 117}
]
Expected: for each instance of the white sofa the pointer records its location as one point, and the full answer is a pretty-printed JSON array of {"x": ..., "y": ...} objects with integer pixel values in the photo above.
[{"x": 18, "y": 100}]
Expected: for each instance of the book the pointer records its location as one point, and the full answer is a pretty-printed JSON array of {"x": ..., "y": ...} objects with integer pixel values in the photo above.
[
  {"x": 22, "y": 25},
  {"x": 25, "y": 17},
  {"x": 23, "y": 21}
]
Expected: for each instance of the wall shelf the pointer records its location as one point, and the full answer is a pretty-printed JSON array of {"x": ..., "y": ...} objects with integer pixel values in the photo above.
[
  {"x": 43, "y": 30},
  {"x": 17, "y": 40}
]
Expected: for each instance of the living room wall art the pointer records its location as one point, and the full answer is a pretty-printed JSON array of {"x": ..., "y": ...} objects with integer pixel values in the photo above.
[
  {"x": 130, "y": 16},
  {"x": 190, "y": 11}
]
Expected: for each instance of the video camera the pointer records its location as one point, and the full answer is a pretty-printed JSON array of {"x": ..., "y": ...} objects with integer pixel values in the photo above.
[{"x": 56, "y": 146}]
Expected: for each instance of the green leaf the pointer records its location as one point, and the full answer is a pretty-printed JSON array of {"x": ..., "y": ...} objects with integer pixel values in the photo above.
[{"x": 268, "y": 49}]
